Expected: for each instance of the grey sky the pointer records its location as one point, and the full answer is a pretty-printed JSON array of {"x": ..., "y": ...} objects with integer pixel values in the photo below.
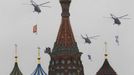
[{"x": 87, "y": 17}]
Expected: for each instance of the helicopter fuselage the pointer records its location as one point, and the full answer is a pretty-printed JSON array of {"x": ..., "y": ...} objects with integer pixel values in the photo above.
[
  {"x": 117, "y": 21},
  {"x": 87, "y": 40},
  {"x": 36, "y": 8}
]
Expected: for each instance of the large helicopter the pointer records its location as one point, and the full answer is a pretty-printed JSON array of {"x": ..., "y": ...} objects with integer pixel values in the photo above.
[
  {"x": 117, "y": 19},
  {"x": 37, "y": 6},
  {"x": 88, "y": 39}
]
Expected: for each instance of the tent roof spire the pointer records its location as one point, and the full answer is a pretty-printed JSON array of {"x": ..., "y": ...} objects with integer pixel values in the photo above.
[
  {"x": 106, "y": 68},
  {"x": 16, "y": 70},
  {"x": 65, "y": 42}
]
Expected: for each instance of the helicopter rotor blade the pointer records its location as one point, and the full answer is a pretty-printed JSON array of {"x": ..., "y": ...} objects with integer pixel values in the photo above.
[
  {"x": 92, "y": 37},
  {"x": 123, "y": 16},
  {"x": 82, "y": 36},
  {"x": 46, "y": 6},
  {"x": 44, "y": 3},
  {"x": 107, "y": 17},
  {"x": 87, "y": 36},
  {"x": 27, "y": 4}
]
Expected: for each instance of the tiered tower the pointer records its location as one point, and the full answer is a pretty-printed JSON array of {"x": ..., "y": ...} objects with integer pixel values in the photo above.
[{"x": 65, "y": 55}]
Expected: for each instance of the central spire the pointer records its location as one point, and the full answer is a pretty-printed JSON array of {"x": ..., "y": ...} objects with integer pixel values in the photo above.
[
  {"x": 65, "y": 35},
  {"x": 65, "y": 39},
  {"x": 65, "y": 56}
]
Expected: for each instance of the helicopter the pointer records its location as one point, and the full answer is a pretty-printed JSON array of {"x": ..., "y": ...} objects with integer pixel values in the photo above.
[
  {"x": 87, "y": 39},
  {"x": 117, "y": 19},
  {"x": 117, "y": 39},
  {"x": 89, "y": 57},
  {"x": 37, "y": 6}
]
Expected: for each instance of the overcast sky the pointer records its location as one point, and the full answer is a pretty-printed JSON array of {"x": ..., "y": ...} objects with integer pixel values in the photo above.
[{"x": 87, "y": 17}]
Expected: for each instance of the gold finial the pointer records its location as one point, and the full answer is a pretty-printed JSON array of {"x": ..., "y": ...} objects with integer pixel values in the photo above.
[
  {"x": 16, "y": 52},
  {"x": 106, "y": 50},
  {"x": 38, "y": 55}
]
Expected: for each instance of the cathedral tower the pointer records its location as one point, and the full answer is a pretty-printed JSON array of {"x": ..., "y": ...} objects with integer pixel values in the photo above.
[{"x": 65, "y": 55}]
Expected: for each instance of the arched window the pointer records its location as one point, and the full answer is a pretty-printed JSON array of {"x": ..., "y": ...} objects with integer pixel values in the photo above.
[
  {"x": 51, "y": 68},
  {"x": 52, "y": 62},
  {"x": 57, "y": 73},
  {"x": 68, "y": 62},
  {"x": 62, "y": 61},
  {"x": 62, "y": 73},
  {"x": 74, "y": 67},
  {"x": 62, "y": 67},
  {"x": 57, "y": 62},
  {"x": 69, "y": 73},
  {"x": 69, "y": 67},
  {"x": 74, "y": 61},
  {"x": 79, "y": 62},
  {"x": 73, "y": 73},
  {"x": 57, "y": 67}
]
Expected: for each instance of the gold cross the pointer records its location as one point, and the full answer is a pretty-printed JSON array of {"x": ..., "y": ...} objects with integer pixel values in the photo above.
[{"x": 106, "y": 49}]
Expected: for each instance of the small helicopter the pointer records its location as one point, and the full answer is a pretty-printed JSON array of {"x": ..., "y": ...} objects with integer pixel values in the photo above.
[
  {"x": 117, "y": 19},
  {"x": 37, "y": 6},
  {"x": 117, "y": 39},
  {"x": 87, "y": 39},
  {"x": 89, "y": 57}
]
